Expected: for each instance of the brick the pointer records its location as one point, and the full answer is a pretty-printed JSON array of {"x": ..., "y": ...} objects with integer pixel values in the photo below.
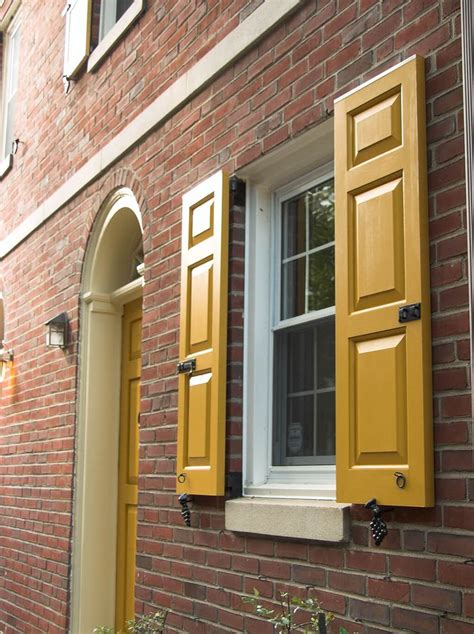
[
  {"x": 365, "y": 611},
  {"x": 451, "y": 433},
  {"x": 388, "y": 590},
  {"x": 415, "y": 621},
  {"x": 309, "y": 575},
  {"x": 449, "y": 150},
  {"x": 445, "y": 225},
  {"x": 469, "y": 605},
  {"x": 346, "y": 582},
  {"x": 372, "y": 562},
  {"x": 449, "y": 544},
  {"x": 456, "y": 297},
  {"x": 449, "y": 379},
  {"x": 339, "y": 21},
  {"x": 453, "y": 626},
  {"x": 450, "y": 489},
  {"x": 381, "y": 31},
  {"x": 446, "y": 273},
  {"x": 412, "y": 568},
  {"x": 448, "y": 102},
  {"x": 292, "y": 550},
  {"x": 417, "y": 29},
  {"x": 414, "y": 540},
  {"x": 456, "y": 406},
  {"x": 360, "y": 66},
  {"x": 459, "y": 517},
  {"x": 436, "y": 598},
  {"x": 456, "y": 574},
  {"x": 450, "y": 325},
  {"x": 326, "y": 556}
]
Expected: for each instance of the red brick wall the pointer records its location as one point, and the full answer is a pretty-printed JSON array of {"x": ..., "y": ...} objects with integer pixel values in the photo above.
[{"x": 418, "y": 580}]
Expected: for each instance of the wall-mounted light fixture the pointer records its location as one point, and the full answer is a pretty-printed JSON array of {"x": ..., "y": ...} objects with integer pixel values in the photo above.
[
  {"x": 57, "y": 334},
  {"x": 6, "y": 357}
]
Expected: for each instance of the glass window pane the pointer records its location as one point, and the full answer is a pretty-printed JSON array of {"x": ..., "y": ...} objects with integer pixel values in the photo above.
[
  {"x": 122, "y": 6},
  {"x": 293, "y": 288},
  {"x": 293, "y": 227},
  {"x": 304, "y": 394},
  {"x": 325, "y": 352},
  {"x": 300, "y": 360},
  {"x": 320, "y": 201},
  {"x": 300, "y": 428},
  {"x": 325, "y": 436},
  {"x": 321, "y": 279}
]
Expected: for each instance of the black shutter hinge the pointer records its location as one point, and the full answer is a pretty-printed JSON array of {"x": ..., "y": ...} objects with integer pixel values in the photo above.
[
  {"x": 411, "y": 312},
  {"x": 237, "y": 192},
  {"x": 233, "y": 485}
]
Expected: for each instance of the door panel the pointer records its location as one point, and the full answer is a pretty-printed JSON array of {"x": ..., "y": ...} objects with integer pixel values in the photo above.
[{"x": 128, "y": 462}]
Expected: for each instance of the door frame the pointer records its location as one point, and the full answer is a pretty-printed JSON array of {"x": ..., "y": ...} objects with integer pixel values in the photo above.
[{"x": 112, "y": 248}]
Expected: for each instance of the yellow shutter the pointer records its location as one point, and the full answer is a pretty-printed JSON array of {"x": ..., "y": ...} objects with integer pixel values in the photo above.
[
  {"x": 383, "y": 366},
  {"x": 203, "y": 334},
  {"x": 77, "y": 42}
]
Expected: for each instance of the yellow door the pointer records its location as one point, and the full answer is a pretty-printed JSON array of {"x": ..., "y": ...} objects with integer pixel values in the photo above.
[{"x": 128, "y": 463}]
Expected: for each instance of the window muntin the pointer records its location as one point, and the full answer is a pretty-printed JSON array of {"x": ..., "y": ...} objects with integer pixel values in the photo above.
[
  {"x": 303, "y": 338},
  {"x": 10, "y": 85}
]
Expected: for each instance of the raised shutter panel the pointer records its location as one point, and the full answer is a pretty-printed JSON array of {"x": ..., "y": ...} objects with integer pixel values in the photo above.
[
  {"x": 77, "y": 44},
  {"x": 203, "y": 333},
  {"x": 383, "y": 367}
]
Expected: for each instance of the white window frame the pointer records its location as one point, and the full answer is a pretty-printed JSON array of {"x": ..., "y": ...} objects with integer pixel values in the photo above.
[
  {"x": 322, "y": 175},
  {"x": 8, "y": 68},
  {"x": 111, "y": 37},
  {"x": 264, "y": 195}
]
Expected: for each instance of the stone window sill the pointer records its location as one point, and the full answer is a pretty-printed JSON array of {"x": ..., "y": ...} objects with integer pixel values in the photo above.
[
  {"x": 318, "y": 520},
  {"x": 113, "y": 36}
]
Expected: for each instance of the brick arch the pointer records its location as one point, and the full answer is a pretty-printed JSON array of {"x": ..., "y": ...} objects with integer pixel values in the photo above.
[{"x": 120, "y": 177}]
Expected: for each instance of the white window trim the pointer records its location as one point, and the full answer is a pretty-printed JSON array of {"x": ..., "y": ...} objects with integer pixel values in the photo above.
[
  {"x": 115, "y": 33},
  {"x": 6, "y": 156},
  {"x": 283, "y": 508},
  {"x": 6, "y": 165},
  {"x": 262, "y": 479}
]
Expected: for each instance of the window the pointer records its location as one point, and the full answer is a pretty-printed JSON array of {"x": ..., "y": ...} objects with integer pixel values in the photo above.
[
  {"x": 110, "y": 12},
  {"x": 303, "y": 329},
  {"x": 10, "y": 85},
  {"x": 289, "y": 381},
  {"x": 97, "y": 25}
]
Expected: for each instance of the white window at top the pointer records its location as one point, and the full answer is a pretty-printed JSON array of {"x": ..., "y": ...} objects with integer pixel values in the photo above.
[
  {"x": 10, "y": 84},
  {"x": 110, "y": 12}
]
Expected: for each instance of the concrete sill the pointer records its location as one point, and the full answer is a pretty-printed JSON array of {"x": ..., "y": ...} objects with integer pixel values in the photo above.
[
  {"x": 298, "y": 519},
  {"x": 114, "y": 35}
]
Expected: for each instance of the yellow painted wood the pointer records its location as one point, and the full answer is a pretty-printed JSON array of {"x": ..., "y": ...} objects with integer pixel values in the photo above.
[
  {"x": 383, "y": 368},
  {"x": 128, "y": 463},
  {"x": 203, "y": 336}
]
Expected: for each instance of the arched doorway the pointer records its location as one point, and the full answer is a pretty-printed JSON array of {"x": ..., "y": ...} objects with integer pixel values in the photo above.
[{"x": 104, "y": 532}]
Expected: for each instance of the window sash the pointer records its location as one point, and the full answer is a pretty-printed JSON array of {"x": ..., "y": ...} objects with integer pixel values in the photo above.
[
  {"x": 278, "y": 375},
  {"x": 261, "y": 479}
]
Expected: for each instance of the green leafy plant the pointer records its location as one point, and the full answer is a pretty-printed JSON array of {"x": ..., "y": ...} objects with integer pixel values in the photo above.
[
  {"x": 147, "y": 624},
  {"x": 285, "y": 620}
]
